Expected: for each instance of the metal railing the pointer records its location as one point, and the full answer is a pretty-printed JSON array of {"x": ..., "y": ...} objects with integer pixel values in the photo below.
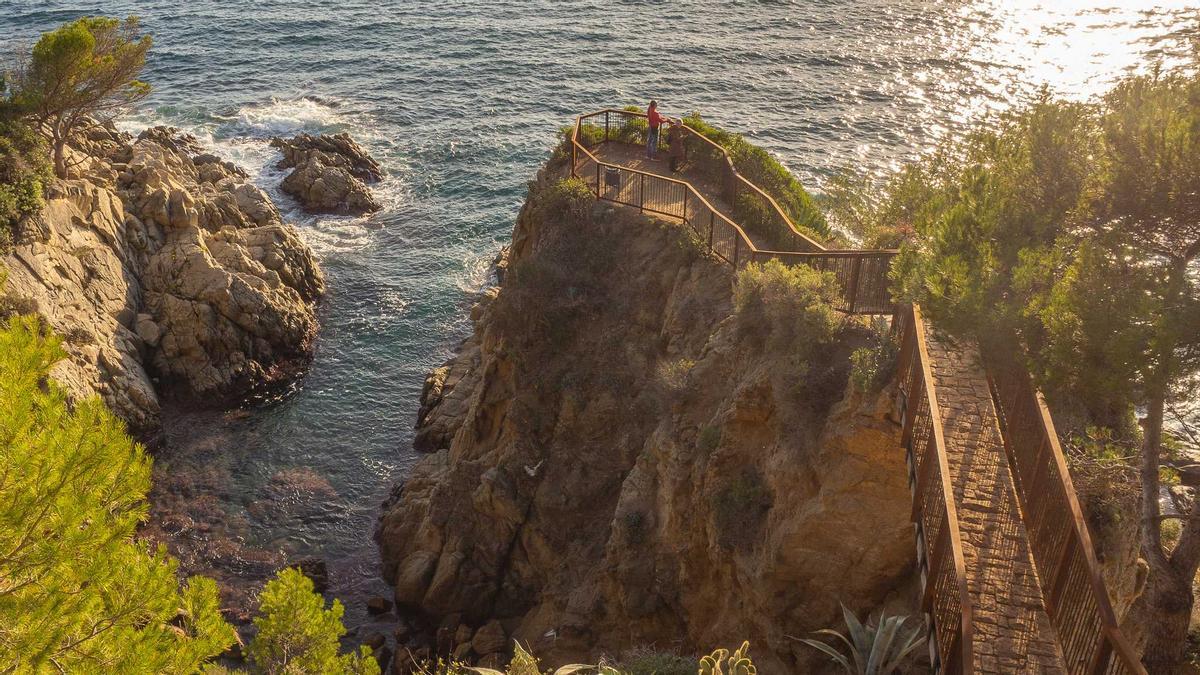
[
  {"x": 1073, "y": 589},
  {"x": 946, "y": 600},
  {"x": 862, "y": 274}
]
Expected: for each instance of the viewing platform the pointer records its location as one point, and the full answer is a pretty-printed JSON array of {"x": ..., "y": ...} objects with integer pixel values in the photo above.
[{"x": 738, "y": 221}]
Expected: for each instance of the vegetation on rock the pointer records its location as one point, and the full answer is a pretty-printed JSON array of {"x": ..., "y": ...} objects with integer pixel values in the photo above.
[
  {"x": 298, "y": 634},
  {"x": 789, "y": 308},
  {"x": 24, "y": 174},
  {"x": 78, "y": 75},
  {"x": 759, "y": 167},
  {"x": 720, "y": 662},
  {"x": 76, "y": 590},
  {"x": 878, "y": 648}
]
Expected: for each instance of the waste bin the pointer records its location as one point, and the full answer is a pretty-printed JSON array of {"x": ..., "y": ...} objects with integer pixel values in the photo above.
[{"x": 612, "y": 176}]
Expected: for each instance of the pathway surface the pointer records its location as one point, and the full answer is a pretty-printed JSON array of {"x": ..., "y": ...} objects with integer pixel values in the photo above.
[
  {"x": 1013, "y": 633},
  {"x": 634, "y": 157}
]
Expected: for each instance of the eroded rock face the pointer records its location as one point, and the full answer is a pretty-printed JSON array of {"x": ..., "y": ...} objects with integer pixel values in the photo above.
[
  {"x": 613, "y": 465},
  {"x": 330, "y": 173},
  {"x": 164, "y": 265}
]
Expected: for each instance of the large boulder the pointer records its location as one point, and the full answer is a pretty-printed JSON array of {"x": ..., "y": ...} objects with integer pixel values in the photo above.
[
  {"x": 164, "y": 264},
  {"x": 330, "y": 173}
]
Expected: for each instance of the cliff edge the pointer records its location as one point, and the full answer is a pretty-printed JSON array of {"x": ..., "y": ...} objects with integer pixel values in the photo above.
[
  {"x": 165, "y": 269},
  {"x": 621, "y": 458}
]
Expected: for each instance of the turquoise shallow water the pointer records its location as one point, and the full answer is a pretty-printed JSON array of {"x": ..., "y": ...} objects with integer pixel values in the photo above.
[{"x": 461, "y": 101}]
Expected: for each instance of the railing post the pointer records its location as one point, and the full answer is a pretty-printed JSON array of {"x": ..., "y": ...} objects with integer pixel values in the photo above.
[
  {"x": 605, "y": 126},
  {"x": 736, "y": 242},
  {"x": 685, "y": 194},
  {"x": 933, "y": 563},
  {"x": 1103, "y": 655},
  {"x": 642, "y": 194},
  {"x": 1060, "y": 574},
  {"x": 852, "y": 288},
  {"x": 597, "y": 180}
]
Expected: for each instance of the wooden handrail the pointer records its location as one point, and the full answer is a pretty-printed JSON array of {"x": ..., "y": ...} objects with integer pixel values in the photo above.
[
  {"x": 861, "y": 273},
  {"x": 1034, "y": 452},
  {"x": 919, "y": 391}
]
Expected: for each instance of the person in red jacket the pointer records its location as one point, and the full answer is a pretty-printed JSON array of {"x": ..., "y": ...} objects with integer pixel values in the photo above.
[{"x": 654, "y": 120}]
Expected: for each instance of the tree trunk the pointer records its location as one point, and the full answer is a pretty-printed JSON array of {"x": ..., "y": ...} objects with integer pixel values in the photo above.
[
  {"x": 1148, "y": 473},
  {"x": 1165, "y": 612},
  {"x": 60, "y": 156}
]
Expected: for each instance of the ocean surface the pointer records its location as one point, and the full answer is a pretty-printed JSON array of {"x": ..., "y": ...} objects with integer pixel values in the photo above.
[{"x": 461, "y": 102}]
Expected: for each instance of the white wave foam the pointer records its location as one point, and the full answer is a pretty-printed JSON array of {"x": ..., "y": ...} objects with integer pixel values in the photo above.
[
  {"x": 244, "y": 136},
  {"x": 476, "y": 273}
]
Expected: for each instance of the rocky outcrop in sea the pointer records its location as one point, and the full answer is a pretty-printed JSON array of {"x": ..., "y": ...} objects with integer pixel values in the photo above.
[
  {"x": 330, "y": 173},
  {"x": 614, "y": 462},
  {"x": 166, "y": 270}
]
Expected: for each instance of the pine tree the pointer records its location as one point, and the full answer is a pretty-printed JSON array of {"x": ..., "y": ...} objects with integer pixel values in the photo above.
[
  {"x": 77, "y": 592},
  {"x": 297, "y": 634}
]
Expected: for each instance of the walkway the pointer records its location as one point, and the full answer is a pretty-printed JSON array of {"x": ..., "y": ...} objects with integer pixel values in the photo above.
[
  {"x": 1010, "y": 576},
  {"x": 1013, "y": 633}
]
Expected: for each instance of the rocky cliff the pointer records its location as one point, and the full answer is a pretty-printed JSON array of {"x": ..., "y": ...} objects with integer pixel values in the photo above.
[
  {"x": 619, "y": 461},
  {"x": 166, "y": 270}
]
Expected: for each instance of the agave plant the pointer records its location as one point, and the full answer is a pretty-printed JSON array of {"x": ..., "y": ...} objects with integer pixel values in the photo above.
[
  {"x": 874, "y": 649},
  {"x": 721, "y": 662},
  {"x": 524, "y": 663}
]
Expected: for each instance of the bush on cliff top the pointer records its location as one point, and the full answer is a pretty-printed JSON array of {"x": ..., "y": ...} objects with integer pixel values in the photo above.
[
  {"x": 789, "y": 308},
  {"x": 759, "y": 167}
]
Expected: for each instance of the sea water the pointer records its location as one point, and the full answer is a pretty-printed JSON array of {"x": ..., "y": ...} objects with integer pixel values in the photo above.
[{"x": 461, "y": 102}]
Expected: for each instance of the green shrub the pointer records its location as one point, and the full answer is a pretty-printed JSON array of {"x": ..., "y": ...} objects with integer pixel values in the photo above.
[
  {"x": 24, "y": 174},
  {"x": 878, "y": 648},
  {"x": 650, "y": 662},
  {"x": 759, "y": 167},
  {"x": 568, "y": 201},
  {"x": 787, "y": 308},
  {"x": 673, "y": 374},
  {"x": 741, "y": 507},
  {"x": 871, "y": 367},
  {"x": 635, "y": 527},
  {"x": 721, "y": 662},
  {"x": 709, "y": 439},
  {"x": 297, "y": 634}
]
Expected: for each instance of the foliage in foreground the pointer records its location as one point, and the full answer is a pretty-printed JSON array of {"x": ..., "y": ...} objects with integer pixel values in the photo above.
[
  {"x": 76, "y": 590},
  {"x": 720, "y": 662},
  {"x": 878, "y": 648}
]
